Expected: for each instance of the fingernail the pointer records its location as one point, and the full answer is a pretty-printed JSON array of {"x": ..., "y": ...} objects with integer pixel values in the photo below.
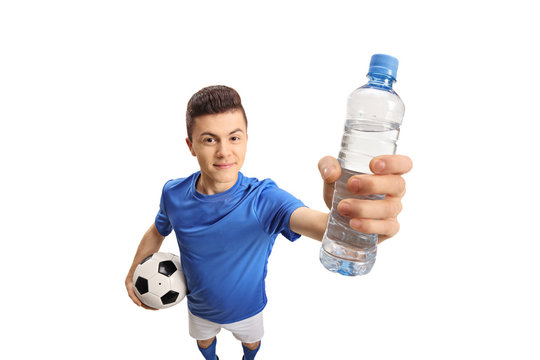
[
  {"x": 327, "y": 171},
  {"x": 379, "y": 166},
  {"x": 355, "y": 223},
  {"x": 355, "y": 186},
  {"x": 344, "y": 209}
]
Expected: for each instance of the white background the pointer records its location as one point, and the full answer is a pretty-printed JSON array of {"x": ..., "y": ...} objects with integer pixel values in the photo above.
[{"x": 92, "y": 104}]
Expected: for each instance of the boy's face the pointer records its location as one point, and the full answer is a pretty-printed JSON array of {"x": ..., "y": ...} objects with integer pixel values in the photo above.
[{"x": 220, "y": 144}]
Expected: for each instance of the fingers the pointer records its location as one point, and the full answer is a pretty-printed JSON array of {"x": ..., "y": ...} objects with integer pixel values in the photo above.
[
  {"x": 131, "y": 293},
  {"x": 391, "y": 164},
  {"x": 392, "y": 185},
  {"x": 330, "y": 169},
  {"x": 373, "y": 216},
  {"x": 129, "y": 288},
  {"x": 148, "y": 307},
  {"x": 370, "y": 216},
  {"x": 385, "y": 228},
  {"x": 330, "y": 172},
  {"x": 135, "y": 299},
  {"x": 370, "y": 209}
]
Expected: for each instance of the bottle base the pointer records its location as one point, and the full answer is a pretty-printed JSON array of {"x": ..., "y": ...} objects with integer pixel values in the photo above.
[{"x": 344, "y": 267}]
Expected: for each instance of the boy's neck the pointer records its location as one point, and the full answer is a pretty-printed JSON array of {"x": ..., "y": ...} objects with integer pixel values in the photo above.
[{"x": 207, "y": 186}]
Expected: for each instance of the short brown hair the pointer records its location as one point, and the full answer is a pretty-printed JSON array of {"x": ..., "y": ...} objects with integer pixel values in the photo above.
[{"x": 215, "y": 99}]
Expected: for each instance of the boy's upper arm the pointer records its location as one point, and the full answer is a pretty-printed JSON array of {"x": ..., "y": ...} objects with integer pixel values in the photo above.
[
  {"x": 162, "y": 222},
  {"x": 273, "y": 208},
  {"x": 309, "y": 222}
]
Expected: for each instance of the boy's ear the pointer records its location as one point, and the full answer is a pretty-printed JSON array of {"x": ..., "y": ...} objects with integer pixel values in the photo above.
[{"x": 190, "y": 146}]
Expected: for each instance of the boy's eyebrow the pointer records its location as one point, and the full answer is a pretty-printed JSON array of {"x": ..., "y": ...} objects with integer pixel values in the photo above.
[
  {"x": 232, "y": 132},
  {"x": 214, "y": 135},
  {"x": 207, "y": 133}
]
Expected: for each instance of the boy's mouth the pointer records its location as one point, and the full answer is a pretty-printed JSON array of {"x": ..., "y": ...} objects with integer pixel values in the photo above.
[{"x": 224, "y": 166}]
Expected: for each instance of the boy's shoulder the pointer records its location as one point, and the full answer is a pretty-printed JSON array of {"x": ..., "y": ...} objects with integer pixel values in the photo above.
[
  {"x": 256, "y": 183},
  {"x": 178, "y": 183}
]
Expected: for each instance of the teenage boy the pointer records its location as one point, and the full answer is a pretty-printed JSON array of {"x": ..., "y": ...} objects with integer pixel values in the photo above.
[{"x": 226, "y": 223}]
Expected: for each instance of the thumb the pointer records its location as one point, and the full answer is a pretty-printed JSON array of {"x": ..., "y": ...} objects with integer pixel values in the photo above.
[{"x": 330, "y": 172}]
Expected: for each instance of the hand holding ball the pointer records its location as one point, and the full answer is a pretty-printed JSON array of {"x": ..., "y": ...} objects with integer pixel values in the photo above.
[{"x": 159, "y": 281}]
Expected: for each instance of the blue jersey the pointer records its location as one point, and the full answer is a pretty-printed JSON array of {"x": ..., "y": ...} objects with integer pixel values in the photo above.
[{"x": 225, "y": 241}]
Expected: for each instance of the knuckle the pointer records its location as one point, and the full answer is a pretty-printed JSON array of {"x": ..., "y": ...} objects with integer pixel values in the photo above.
[
  {"x": 402, "y": 185},
  {"x": 390, "y": 228},
  {"x": 391, "y": 209},
  {"x": 398, "y": 184},
  {"x": 394, "y": 228},
  {"x": 396, "y": 208},
  {"x": 409, "y": 162}
]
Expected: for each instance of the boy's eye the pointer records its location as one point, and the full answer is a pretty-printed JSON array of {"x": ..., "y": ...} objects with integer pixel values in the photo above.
[
  {"x": 235, "y": 138},
  {"x": 209, "y": 140}
]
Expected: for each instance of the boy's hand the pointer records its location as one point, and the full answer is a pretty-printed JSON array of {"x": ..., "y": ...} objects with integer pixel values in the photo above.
[
  {"x": 370, "y": 216},
  {"x": 131, "y": 292}
]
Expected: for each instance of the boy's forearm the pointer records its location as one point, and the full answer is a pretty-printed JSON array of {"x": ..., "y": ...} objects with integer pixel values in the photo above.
[
  {"x": 309, "y": 222},
  {"x": 150, "y": 243}
]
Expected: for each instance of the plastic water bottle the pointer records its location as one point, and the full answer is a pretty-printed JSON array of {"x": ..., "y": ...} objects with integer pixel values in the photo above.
[{"x": 374, "y": 115}]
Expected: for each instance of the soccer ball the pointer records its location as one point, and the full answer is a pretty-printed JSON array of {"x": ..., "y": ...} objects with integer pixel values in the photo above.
[{"x": 159, "y": 281}]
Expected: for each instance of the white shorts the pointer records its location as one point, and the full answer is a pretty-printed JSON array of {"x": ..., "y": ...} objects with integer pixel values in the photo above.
[{"x": 247, "y": 331}]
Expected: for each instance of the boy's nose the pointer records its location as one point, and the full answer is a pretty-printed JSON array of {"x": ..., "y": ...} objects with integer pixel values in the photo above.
[{"x": 223, "y": 149}]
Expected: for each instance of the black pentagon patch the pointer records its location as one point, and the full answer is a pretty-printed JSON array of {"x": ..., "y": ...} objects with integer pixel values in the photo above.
[
  {"x": 142, "y": 285},
  {"x": 169, "y": 297},
  {"x": 167, "y": 268},
  {"x": 146, "y": 259}
]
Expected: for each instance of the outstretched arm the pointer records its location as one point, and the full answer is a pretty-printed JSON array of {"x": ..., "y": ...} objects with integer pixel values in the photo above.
[{"x": 309, "y": 222}]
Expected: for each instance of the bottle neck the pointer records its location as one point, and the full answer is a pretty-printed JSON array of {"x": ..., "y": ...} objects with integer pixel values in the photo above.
[{"x": 380, "y": 81}]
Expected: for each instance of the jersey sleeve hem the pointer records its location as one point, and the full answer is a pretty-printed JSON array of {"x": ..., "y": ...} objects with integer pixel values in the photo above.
[{"x": 288, "y": 233}]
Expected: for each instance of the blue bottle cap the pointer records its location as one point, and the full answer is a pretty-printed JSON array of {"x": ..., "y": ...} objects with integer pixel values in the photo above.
[{"x": 383, "y": 65}]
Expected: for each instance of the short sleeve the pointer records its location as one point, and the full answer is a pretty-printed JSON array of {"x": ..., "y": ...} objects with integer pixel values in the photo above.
[
  {"x": 274, "y": 208},
  {"x": 162, "y": 222}
]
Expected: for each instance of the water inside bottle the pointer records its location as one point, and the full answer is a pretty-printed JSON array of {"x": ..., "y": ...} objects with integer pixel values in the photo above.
[
  {"x": 362, "y": 140},
  {"x": 344, "y": 250}
]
